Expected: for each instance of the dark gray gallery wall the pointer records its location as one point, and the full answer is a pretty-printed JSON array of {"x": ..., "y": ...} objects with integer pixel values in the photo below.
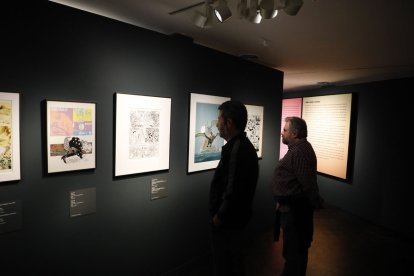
[
  {"x": 380, "y": 190},
  {"x": 53, "y": 52}
]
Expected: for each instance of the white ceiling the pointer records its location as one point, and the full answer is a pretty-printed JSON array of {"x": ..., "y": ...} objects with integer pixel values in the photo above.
[{"x": 336, "y": 41}]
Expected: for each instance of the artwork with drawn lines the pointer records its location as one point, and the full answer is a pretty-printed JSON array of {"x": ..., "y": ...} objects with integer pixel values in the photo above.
[
  {"x": 70, "y": 136},
  {"x": 254, "y": 127},
  {"x": 5, "y": 135},
  {"x": 144, "y": 133},
  {"x": 9, "y": 136},
  {"x": 208, "y": 143},
  {"x": 204, "y": 141}
]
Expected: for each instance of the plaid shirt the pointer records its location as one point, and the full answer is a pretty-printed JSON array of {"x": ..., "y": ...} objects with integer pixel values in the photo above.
[{"x": 296, "y": 171}]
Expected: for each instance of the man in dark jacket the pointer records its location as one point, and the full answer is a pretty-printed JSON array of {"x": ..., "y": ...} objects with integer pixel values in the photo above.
[{"x": 232, "y": 190}]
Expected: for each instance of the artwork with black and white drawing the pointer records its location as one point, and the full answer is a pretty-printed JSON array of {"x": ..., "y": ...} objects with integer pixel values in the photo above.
[
  {"x": 254, "y": 127},
  {"x": 144, "y": 133}
]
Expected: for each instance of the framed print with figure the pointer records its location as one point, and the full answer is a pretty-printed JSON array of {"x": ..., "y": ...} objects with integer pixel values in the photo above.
[
  {"x": 71, "y": 136},
  {"x": 204, "y": 148},
  {"x": 142, "y": 134},
  {"x": 254, "y": 127},
  {"x": 9, "y": 136}
]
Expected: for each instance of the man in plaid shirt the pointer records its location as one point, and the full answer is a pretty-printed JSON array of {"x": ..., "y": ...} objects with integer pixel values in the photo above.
[{"x": 296, "y": 194}]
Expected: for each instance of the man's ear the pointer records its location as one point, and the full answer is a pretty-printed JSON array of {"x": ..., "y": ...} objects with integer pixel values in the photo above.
[{"x": 229, "y": 122}]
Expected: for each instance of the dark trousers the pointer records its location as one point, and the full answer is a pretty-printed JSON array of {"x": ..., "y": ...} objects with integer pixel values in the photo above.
[
  {"x": 228, "y": 251},
  {"x": 296, "y": 242}
]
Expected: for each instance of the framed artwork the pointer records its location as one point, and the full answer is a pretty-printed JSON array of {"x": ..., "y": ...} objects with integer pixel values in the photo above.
[
  {"x": 9, "y": 136},
  {"x": 204, "y": 147},
  {"x": 142, "y": 134},
  {"x": 71, "y": 136},
  {"x": 254, "y": 127}
]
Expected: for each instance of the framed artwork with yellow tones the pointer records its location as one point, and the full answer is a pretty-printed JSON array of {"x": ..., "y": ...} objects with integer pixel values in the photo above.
[{"x": 9, "y": 136}]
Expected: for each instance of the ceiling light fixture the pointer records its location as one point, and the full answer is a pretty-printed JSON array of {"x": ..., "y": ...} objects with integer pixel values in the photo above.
[
  {"x": 251, "y": 10},
  {"x": 270, "y": 8},
  {"x": 242, "y": 10},
  {"x": 222, "y": 11},
  {"x": 254, "y": 12},
  {"x": 204, "y": 20}
]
